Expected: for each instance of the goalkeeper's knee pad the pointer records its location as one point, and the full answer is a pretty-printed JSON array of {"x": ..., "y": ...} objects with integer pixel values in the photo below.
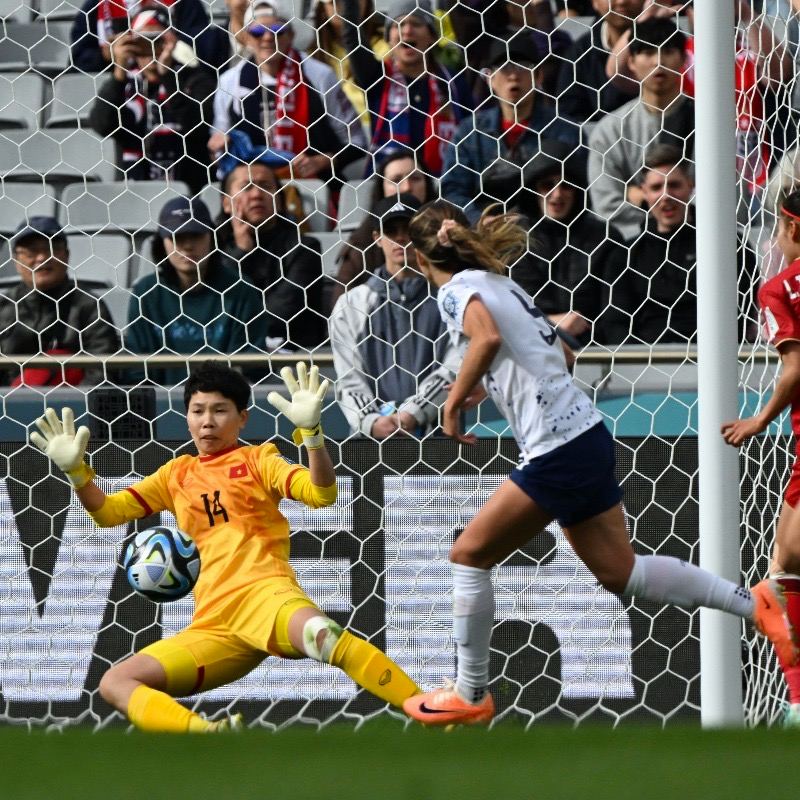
[{"x": 320, "y": 636}]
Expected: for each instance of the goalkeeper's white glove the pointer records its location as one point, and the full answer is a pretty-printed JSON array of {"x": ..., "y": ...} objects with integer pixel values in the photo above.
[
  {"x": 63, "y": 446},
  {"x": 305, "y": 408}
]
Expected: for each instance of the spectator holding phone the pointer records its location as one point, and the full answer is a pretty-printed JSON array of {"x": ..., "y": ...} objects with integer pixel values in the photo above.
[{"x": 156, "y": 104}]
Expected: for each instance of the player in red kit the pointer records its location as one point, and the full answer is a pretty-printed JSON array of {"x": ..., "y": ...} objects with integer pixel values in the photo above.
[{"x": 779, "y": 299}]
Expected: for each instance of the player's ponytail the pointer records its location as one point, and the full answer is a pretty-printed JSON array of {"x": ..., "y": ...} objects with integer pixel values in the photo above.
[{"x": 442, "y": 233}]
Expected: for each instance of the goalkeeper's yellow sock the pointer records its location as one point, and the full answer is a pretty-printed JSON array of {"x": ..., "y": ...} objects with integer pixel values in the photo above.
[
  {"x": 155, "y": 712},
  {"x": 372, "y": 669}
]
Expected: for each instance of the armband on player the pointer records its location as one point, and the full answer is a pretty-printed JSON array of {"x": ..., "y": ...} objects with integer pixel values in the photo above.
[{"x": 312, "y": 438}]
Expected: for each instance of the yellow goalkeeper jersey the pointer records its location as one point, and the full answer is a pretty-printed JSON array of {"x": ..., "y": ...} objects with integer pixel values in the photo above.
[{"x": 228, "y": 504}]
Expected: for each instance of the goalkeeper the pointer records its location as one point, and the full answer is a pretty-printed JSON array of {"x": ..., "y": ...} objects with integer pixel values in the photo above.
[{"x": 248, "y": 604}]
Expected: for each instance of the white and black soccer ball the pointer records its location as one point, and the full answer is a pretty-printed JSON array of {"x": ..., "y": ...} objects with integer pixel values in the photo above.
[{"x": 162, "y": 564}]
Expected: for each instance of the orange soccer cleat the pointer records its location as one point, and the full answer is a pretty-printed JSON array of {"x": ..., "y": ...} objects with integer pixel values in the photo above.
[
  {"x": 770, "y": 618},
  {"x": 446, "y": 707}
]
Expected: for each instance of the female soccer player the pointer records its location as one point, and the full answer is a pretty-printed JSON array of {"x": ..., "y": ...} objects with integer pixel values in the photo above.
[
  {"x": 566, "y": 467},
  {"x": 779, "y": 299},
  {"x": 248, "y": 604}
]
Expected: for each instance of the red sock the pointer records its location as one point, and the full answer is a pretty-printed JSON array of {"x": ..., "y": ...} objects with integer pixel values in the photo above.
[{"x": 791, "y": 589}]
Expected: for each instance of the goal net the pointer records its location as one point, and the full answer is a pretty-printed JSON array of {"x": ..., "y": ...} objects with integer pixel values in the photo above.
[{"x": 113, "y": 112}]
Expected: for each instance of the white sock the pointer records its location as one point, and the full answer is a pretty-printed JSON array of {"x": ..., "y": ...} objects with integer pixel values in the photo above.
[
  {"x": 670, "y": 580},
  {"x": 473, "y": 617}
]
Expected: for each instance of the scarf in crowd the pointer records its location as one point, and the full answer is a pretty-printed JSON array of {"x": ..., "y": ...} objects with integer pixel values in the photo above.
[
  {"x": 153, "y": 125},
  {"x": 289, "y": 130},
  {"x": 393, "y": 120}
]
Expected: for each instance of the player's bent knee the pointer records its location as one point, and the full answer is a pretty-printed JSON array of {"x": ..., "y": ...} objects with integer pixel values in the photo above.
[
  {"x": 320, "y": 636},
  {"x": 612, "y": 580},
  {"x": 470, "y": 556}
]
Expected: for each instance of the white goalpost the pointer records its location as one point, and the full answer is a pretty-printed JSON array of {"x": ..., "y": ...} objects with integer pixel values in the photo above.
[{"x": 563, "y": 648}]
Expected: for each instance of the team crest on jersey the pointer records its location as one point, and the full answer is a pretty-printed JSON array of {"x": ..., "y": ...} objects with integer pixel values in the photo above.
[
  {"x": 772, "y": 323},
  {"x": 450, "y": 305},
  {"x": 238, "y": 471}
]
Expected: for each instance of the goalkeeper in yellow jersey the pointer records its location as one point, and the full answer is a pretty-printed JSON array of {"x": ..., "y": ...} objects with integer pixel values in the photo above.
[{"x": 248, "y": 602}]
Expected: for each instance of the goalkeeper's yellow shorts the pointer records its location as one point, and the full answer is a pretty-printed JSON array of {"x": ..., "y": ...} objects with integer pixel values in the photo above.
[{"x": 225, "y": 645}]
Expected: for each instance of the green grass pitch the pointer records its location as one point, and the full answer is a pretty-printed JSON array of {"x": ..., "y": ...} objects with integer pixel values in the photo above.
[{"x": 384, "y": 761}]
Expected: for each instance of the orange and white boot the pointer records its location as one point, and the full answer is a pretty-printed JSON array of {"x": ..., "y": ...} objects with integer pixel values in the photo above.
[{"x": 446, "y": 707}]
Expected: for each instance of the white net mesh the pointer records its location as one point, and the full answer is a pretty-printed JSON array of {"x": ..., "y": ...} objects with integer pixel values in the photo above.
[{"x": 289, "y": 124}]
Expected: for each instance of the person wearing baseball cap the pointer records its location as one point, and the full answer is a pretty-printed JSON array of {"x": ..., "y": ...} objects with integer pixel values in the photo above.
[
  {"x": 413, "y": 100},
  {"x": 392, "y": 359},
  {"x": 48, "y": 311},
  {"x": 156, "y": 103},
  {"x": 506, "y": 133},
  {"x": 285, "y": 101},
  {"x": 192, "y": 303}
]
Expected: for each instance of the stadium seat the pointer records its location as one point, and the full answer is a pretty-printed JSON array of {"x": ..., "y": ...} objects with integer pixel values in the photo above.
[
  {"x": 212, "y": 197},
  {"x": 331, "y": 244},
  {"x": 575, "y": 27},
  {"x": 217, "y": 10},
  {"x": 59, "y": 155},
  {"x": 20, "y": 201},
  {"x": 103, "y": 257},
  {"x": 354, "y": 203},
  {"x": 104, "y": 262},
  {"x": 314, "y": 194},
  {"x": 58, "y": 10},
  {"x": 34, "y": 46},
  {"x": 73, "y": 97},
  {"x": 132, "y": 206},
  {"x": 15, "y": 11},
  {"x": 22, "y": 97}
]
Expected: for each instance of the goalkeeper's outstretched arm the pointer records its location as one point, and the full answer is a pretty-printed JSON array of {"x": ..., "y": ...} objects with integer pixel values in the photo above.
[
  {"x": 304, "y": 409},
  {"x": 66, "y": 448}
]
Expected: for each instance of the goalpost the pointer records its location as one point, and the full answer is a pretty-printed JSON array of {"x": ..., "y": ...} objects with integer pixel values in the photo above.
[{"x": 376, "y": 561}]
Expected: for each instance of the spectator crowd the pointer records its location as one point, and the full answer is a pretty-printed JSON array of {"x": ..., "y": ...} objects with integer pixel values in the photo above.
[{"x": 587, "y": 138}]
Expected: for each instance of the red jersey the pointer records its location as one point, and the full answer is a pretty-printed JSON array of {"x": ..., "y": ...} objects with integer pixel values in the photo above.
[
  {"x": 779, "y": 299},
  {"x": 752, "y": 151}
]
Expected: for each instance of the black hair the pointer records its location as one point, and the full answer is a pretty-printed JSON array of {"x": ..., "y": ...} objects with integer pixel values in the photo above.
[
  {"x": 790, "y": 205},
  {"x": 395, "y": 154},
  {"x": 663, "y": 154},
  {"x": 214, "y": 376},
  {"x": 656, "y": 34}
]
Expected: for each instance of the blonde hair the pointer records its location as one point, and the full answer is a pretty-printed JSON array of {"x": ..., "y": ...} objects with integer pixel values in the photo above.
[{"x": 442, "y": 233}]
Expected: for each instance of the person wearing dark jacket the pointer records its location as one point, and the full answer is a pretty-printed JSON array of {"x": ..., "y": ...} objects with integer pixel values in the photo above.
[
  {"x": 193, "y": 303},
  {"x": 654, "y": 300},
  {"x": 572, "y": 250},
  {"x": 266, "y": 248},
  {"x": 505, "y": 135},
  {"x": 48, "y": 312},
  {"x": 391, "y": 352},
  {"x": 412, "y": 99},
  {"x": 584, "y": 91},
  {"x": 158, "y": 114},
  {"x": 100, "y": 21}
]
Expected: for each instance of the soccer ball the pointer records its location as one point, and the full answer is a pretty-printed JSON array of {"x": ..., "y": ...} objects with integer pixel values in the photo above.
[{"x": 162, "y": 564}]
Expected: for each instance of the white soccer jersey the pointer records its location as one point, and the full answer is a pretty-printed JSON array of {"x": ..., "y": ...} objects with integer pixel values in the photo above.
[{"x": 528, "y": 379}]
